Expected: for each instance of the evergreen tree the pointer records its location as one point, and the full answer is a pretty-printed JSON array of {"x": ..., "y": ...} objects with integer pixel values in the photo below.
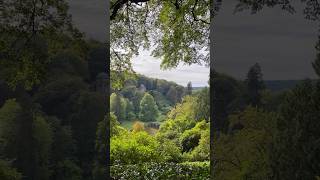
[
  {"x": 148, "y": 108},
  {"x": 255, "y": 85},
  {"x": 189, "y": 88}
]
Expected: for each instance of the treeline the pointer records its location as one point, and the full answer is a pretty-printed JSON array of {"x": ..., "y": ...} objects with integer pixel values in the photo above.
[
  {"x": 146, "y": 99},
  {"x": 52, "y": 130},
  {"x": 263, "y": 134}
]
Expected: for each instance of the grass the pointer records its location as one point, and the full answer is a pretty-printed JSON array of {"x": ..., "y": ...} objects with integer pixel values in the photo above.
[{"x": 127, "y": 124}]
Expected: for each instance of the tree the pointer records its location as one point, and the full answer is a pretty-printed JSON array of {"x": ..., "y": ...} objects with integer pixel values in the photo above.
[
  {"x": 148, "y": 108},
  {"x": 246, "y": 153},
  {"x": 172, "y": 95},
  {"x": 189, "y": 88},
  {"x": 115, "y": 106},
  {"x": 57, "y": 96},
  {"x": 7, "y": 172},
  {"x": 227, "y": 97},
  {"x": 298, "y": 132},
  {"x": 87, "y": 111},
  {"x": 30, "y": 32},
  {"x": 33, "y": 160},
  {"x": 255, "y": 85},
  {"x": 43, "y": 136},
  {"x": 202, "y": 108},
  {"x": 180, "y": 92},
  {"x": 97, "y": 60},
  {"x": 16, "y": 130}
]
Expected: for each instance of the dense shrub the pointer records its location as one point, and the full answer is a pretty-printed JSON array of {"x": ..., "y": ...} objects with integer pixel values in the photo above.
[
  {"x": 134, "y": 148},
  {"x": 162, "y": 171}
]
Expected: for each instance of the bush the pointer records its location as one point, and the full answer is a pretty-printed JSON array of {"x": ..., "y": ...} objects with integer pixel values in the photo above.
[
  {"x": 190, "y": 138},
  {"x": 138, "y": 126},
  {"x": 134, "y": 148},
  {"x": 162, "y": 171}
]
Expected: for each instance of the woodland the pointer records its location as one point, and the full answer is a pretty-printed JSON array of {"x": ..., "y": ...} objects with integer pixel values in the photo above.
[{"x": 54, "y": 98}]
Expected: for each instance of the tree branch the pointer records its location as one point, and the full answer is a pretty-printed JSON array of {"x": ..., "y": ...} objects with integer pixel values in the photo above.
[
  {"x": 195, "y": 18},
  {"x": 119, "y": 4}
]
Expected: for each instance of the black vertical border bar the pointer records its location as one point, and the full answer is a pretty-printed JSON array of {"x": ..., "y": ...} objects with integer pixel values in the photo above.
[
  {"x": 107, "y": 95},
  {"x": 211, "y": 44}
]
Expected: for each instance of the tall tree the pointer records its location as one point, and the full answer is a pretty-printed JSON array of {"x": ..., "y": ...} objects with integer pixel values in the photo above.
[
  {"x": 189, "y": 88},
  {"x": 148, "y": 108},
  {"x": 255, "y": 85}
]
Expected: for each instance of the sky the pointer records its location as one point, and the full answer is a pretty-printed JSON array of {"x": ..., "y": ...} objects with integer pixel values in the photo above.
[
  {"x": 283, "y": 44},
  {"x": 150, "y": 66}
]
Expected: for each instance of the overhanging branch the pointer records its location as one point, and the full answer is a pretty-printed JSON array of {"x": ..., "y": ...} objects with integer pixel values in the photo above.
[{"x": 119, "y": 4}]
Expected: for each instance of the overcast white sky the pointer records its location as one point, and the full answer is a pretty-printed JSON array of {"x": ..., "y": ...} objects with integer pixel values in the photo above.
[{"x": 150, "y": 66}]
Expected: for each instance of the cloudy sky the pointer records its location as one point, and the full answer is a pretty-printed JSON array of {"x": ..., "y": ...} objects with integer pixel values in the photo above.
[
  {"x": 150, "y": 66},
  {"x": 281, "y": 43}
]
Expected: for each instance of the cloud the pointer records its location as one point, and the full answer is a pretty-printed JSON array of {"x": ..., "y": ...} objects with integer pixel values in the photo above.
[
  {"x": 150, "y": 66},
  {"x": 90, "y": 17},
  {"x": 282, "y": 43}
]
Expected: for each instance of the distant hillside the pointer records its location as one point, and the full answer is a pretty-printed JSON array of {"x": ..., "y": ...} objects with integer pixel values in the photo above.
[
  {"x": 273, "y": 85},
  {"x": 165, "y": 94},
  {"x": 195, "y": 89},
  {"x": 281, "y": 85}
]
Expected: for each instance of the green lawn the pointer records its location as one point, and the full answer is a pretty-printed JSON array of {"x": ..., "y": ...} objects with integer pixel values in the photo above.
[{"x": 127, "y": 124}]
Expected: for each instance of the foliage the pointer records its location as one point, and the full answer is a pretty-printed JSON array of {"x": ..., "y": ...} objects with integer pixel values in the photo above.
[
  {"x": 189, "y": 88},
  {"x": 87, "y": 111},
  {"x": 30, "y": 33},
  {"x": 164, "y": 22},
  {"x": 134, "y": 148},
  {"x": 9, "y": 113},
  {"x": 42, "y": 134},
  {"x": 296, "y": 144},
  {"x": 227, "y": 96},
  {"x": 7, "y": 172},
  {"x": 255, "y": 85},
  {"x": 170, "y": 171},
  {"x": 67, "y": 169},
  {"x": 148, "y": 108},
  {"x": 137, "y": 126},
  {"x": 202, "y": 151},
  {"x": 245, "y": 153},
  {"x": 189, "y": 139}
]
